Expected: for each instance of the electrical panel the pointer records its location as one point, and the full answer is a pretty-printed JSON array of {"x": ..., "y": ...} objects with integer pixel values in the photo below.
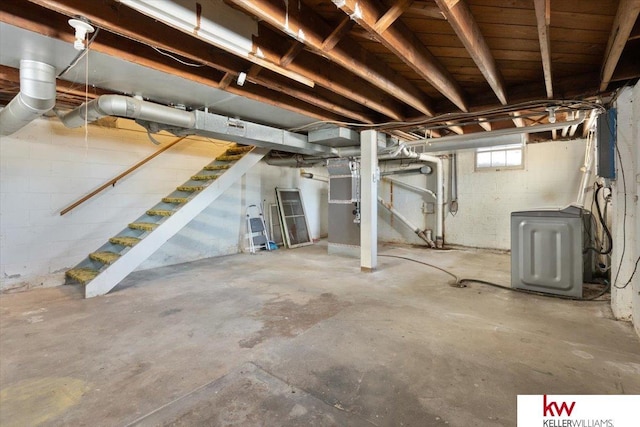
[{"x": 606, "y": 145}]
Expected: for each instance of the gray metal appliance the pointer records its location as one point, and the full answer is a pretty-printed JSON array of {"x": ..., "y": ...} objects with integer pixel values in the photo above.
[{"x": 547, "y": 250}]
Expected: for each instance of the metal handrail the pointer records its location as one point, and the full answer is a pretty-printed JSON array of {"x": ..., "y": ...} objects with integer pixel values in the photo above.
[{"x": 119, "y": 177}]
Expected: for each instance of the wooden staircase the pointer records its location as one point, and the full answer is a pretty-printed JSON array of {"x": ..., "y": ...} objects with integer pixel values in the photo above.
[{"x": 103, "y": 269}]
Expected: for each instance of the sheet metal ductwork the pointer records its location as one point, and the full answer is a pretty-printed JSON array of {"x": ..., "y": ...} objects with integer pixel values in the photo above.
[
  {"x": 37, "y": 96},
  {"x": 132, "y": 108}
]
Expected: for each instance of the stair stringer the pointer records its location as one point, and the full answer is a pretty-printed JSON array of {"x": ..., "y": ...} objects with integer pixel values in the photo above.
[{"x": 116, "y": 272}]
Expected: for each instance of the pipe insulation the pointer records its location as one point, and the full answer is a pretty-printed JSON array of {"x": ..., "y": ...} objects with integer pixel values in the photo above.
[
  {"x": 132, "y": 108},
  {"x": 37, "y": 96},
  {"x": 406, "y": 222}
]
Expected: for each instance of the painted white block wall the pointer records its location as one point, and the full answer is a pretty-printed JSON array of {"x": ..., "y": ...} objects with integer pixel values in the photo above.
[
  {"x": 45, "y": 167},
  {"x": 626, "y": 302},
  {"x": 550, "y": 179},
  {"x": 486, "y": 199}
]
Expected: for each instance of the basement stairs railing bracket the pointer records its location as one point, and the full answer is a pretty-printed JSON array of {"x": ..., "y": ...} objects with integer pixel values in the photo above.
[{"x": 102, "y": 270}]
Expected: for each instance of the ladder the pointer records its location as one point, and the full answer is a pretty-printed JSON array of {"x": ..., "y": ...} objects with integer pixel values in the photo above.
[{"x": 256, "y": 229}]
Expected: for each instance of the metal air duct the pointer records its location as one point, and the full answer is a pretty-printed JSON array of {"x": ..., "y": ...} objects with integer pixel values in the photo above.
[
  {"x": 132, "y": 108},
  {"x": 37, "y": 96}
]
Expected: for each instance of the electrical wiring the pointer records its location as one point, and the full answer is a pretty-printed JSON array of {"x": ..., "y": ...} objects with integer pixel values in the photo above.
[
  {"x": 603, "y": 223},
  {"x": 460, "y": 283},
  {"x": 167, "y": 54},
  {"x": 573, "y": 105},
  {"x": 624, "y": 220},
  {"x": 79, "y": 56}
]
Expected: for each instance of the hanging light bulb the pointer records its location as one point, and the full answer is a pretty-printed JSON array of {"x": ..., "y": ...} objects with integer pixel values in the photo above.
[
  {"x": 552, "y": 114},
  {"x": 82, "y": 28}
]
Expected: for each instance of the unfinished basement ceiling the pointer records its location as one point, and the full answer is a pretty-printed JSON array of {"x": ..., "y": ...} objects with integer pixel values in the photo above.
[{"x": 365, "y": 61}]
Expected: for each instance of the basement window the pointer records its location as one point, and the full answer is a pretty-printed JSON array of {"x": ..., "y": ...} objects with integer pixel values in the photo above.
[{"x": 500, "y": 157}]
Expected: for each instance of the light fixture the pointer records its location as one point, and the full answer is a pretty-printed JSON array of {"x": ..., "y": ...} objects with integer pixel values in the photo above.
[
  {"x": 82, "y": 28},
  {"x": 242, "y": 77},
  {"x": 552, "y": 114}
]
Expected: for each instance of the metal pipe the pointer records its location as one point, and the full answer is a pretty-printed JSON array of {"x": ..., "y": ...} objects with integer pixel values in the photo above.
[
  {"x": 453, "y": 166},
  {"x": 37, "y": 96},
  {"x": 411, "y": 187},
  {"x": 424, "y": 170},
  {"x": 585, "y": 169},
  {"x": 484, "y": 139},
  {"x": 439, "y": 190},
  {"x": 131, "y": 108},
  {"x": 406, "y": 222},
  {"x": 296, "y": 161}
]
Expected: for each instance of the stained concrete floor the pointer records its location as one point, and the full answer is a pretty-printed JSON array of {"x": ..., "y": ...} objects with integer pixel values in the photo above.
[{"x": 299, "y": 337}]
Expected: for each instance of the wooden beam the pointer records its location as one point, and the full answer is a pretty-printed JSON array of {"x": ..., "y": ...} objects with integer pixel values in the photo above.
[
  {"x": 425, "y": 9},
  {"x": 337, "y": 34},
  {"x": 392, "y": 15},
  {"x": 330, "y": 75},
  {"x": 309, "y": 28},
  {"x": 291, "y": 53},
  {"x": 626, "y": 16},
  {"x": 226, "y": 80},
  {"x": 406, "y": 46},
  {"x": 464, "y": 24},
  {"x": 543, "y": 10}
]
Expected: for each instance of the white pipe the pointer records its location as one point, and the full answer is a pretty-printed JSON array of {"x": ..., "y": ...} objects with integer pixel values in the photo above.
[
  {"x": 132, "y": 108},
  {"x": 408, "y": 223},
  {"x": 412, "y": 187},
  {"x": 586, "y": 169},
  {"x": 37, "y": 96},
  {"x": 439, "y": 190}
]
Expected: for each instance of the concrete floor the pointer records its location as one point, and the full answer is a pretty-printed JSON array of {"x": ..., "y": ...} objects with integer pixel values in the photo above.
[{"x": 298, "y": 337}]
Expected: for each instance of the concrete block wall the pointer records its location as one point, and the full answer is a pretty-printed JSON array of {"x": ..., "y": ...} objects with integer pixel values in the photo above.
[
  {"x": 45, "y": 167},
  {"x": 550, "y": 179}
]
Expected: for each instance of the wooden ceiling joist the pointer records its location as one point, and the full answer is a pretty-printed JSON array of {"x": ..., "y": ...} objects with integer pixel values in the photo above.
[
  {"x": 291, "y": 53},
  {"x": 623, "y": 23},
  {"x": 464, "y": 24},
  {"x": 543, "y": 18},
  {"x": 172, "y": 41},
  {"x": 392, "y": 15},
  {"x": 310, "y": 29},
  {"x": 337, "y": 34},
  {"x": 330, "y": 76},
  {"x": 406, "y": 46}
]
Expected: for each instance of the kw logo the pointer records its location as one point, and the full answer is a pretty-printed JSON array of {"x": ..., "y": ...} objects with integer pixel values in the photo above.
[{"x": 548, "y": 408}]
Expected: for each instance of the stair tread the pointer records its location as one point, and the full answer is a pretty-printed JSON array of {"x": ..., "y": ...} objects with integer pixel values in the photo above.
[
  {"x": 204, "y": 177},
  {"x": 82, "y": 274},
  {"x": 160, "y": 212},
  {"x": 216, "y": 167},
  {"x": 177, "y": 200},
  {"x": 239, "y": 149},
  {"x": 105, "y": 257},
  {"x": 229, "y": 158},
  {"x": 124, "y": 240},
  {"x": 191, "y": 188},
  {"x": 145, "y": 226}
]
